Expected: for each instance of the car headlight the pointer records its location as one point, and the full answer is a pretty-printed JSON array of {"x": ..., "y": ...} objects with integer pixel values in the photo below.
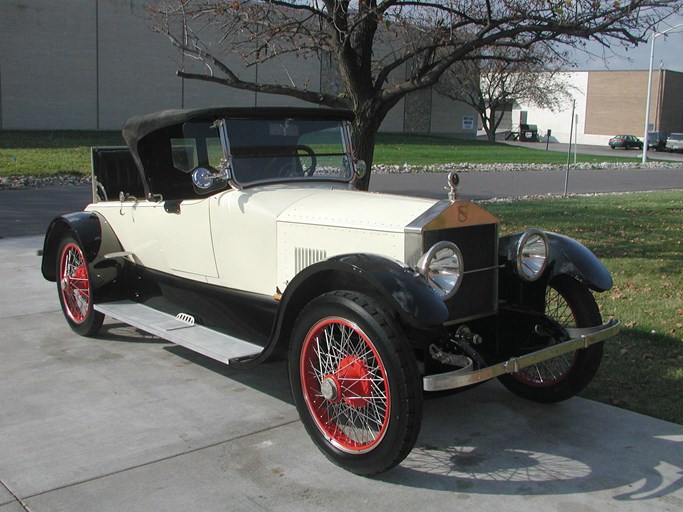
[
  {"x": 532, "y": 254},
  {"x": 442, "y": 266}
]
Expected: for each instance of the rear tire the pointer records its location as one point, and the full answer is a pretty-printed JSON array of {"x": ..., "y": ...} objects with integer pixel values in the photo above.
[
  {"x": 355, "y": 382},
  {"x": 74, "y": 288},
  {"x": 570, "y": 304}
]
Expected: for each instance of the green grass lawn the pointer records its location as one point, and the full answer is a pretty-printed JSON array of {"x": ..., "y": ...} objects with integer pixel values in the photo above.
[
  {"x": 67, "y": 152},
  {"x": 397, "y": 149},
  {"x": 639, "y": 237},
  {"x": 49, "y": 153}
]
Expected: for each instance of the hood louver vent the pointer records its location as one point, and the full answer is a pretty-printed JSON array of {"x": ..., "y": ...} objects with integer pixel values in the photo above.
[{"x": 305, "y": 257}]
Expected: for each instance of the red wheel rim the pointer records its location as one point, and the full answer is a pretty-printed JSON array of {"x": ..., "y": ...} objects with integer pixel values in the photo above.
[
  {"x": 74, "y": 284},
  {"x": 345, "y": 385},
  {"x": 550, "y": 372}
]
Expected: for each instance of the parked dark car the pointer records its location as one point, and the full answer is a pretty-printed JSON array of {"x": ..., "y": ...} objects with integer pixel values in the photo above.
[
  {"x": 674, "y": 142},
  {"x": 626, "y": 142},
  {"x": 528, "y": 133},
  {"x": 656, "y": 141},
  {"x": 239, "y": 234}
]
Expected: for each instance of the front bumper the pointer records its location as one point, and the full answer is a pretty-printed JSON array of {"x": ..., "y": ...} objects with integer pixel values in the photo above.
[{"x": 580, "y": 338}]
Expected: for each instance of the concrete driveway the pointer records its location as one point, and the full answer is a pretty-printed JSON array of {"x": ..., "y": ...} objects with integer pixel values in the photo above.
[{"x": 129, "y": 422}]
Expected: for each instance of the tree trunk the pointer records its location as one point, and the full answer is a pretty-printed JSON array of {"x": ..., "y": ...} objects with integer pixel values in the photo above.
[
  {"x": 488, "y": 127},
  {"x": 363, "y": 137}
]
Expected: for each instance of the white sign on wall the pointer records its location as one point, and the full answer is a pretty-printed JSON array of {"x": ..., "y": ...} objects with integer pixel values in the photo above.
[{"x": 468, "y": 122}]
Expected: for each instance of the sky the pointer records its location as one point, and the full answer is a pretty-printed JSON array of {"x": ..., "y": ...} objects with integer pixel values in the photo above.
[{"x": 668, "y": 51}]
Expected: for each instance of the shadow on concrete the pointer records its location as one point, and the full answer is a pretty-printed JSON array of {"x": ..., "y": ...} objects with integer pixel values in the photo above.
[
  {"x": 501, "y": 445},
  {"x": 270, "y": 378}
]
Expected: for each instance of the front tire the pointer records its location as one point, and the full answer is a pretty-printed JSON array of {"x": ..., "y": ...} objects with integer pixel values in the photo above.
[
  {"x": 355, "y": 383},
  {"x": 569, "y": 304},
  {"x": 74, "y": 288}
]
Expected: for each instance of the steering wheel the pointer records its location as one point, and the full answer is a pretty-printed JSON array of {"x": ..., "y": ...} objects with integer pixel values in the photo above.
[
  {"x": 291, "y": 167},
  {"x": 314, "y": 160}
]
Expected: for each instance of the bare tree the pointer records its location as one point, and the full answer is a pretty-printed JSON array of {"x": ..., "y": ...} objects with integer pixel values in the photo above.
[
  {"x": 530, "y": 76},
  {"x": 382, "y": 49}
]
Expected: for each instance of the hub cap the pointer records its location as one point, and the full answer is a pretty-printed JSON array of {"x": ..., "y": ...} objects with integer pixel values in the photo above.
[{"x": 345, "y": 385}]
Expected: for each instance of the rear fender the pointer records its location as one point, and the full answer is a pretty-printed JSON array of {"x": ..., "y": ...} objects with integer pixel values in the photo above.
[
  {"x": 97, "y": 239},
  {"x": 83, "y": 226}
]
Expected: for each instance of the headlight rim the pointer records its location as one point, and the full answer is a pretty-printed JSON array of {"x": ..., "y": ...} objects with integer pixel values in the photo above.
[
  {"x": 423, "y": 267},
  {"x": 519, "y": 260}
]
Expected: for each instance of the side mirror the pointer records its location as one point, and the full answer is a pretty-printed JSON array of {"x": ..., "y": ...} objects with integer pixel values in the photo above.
[
  {"x": 202, "y": 178},
  {"x": 207, "y": 181}
]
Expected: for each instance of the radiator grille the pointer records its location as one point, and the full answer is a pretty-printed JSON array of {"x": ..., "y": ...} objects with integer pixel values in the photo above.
[{"x": 478, "y": 293}]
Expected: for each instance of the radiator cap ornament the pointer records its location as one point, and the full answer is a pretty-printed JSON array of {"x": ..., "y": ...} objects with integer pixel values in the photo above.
[{"x": 453, "y": 181}]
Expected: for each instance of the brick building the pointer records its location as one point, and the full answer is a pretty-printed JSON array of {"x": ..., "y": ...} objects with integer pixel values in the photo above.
[{"x": 609, "y": 103}]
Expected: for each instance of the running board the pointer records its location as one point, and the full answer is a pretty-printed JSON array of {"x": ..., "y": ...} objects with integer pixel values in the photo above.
[{"x": 179, "y": 330}]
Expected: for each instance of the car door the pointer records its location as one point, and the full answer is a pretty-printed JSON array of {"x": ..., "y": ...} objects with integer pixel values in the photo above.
[{"x": 169, "y": 236}]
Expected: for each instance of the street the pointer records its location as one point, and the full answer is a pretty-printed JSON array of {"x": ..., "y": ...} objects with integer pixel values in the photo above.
[{"x": 29, "y": 211}]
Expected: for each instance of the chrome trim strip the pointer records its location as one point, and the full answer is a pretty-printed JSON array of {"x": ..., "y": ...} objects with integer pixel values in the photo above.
[
  {"x": 418, "y": 224},
  {"x": 226, "y": 162},
  {"x": 584, "y": 338},
  {"x": 122, "y": 254}
]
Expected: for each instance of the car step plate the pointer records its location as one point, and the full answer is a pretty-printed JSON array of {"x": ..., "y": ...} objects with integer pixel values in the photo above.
[{"x": 208, "y": 342}]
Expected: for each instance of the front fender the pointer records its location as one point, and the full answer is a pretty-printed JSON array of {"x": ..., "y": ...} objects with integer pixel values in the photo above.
[
  {"x": 398, "y": 288},
  {"x": 567, "y": 256},
  {"x": 395, "y": 285}
]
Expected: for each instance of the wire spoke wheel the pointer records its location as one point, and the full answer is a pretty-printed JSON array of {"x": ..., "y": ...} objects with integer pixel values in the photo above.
[
  {"x": 553, "y": 370},
  {"x": 74, "y": 283},
  {"x": 75, "y": 289},
  {"x": 568, "y": 303},
  {"x": 355, "y": 382},
  {"x": 345, "y": 385}
]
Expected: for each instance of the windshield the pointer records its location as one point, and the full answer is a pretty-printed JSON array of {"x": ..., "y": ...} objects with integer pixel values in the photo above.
[{"x": 263, "y": 150}]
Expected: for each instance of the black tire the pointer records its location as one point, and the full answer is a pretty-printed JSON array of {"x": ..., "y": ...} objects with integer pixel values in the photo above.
[
  {"x": 570, "y": 304},
  {"x": 356, "y": 388},
  {"x": 74, "y": 288}
]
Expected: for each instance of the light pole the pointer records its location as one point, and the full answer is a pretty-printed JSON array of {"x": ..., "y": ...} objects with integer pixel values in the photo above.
[{"x": 655, "y": 34}]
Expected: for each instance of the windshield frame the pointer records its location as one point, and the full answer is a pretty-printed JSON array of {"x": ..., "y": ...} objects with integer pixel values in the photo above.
[{"x": 229, "y": 157}]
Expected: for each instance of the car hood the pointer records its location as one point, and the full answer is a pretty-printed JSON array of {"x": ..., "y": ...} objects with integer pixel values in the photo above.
[{"x": 356, "y": 210}]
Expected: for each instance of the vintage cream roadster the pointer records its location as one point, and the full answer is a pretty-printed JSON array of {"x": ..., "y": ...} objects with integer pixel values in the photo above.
[{"x": 238, "y": 233}]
